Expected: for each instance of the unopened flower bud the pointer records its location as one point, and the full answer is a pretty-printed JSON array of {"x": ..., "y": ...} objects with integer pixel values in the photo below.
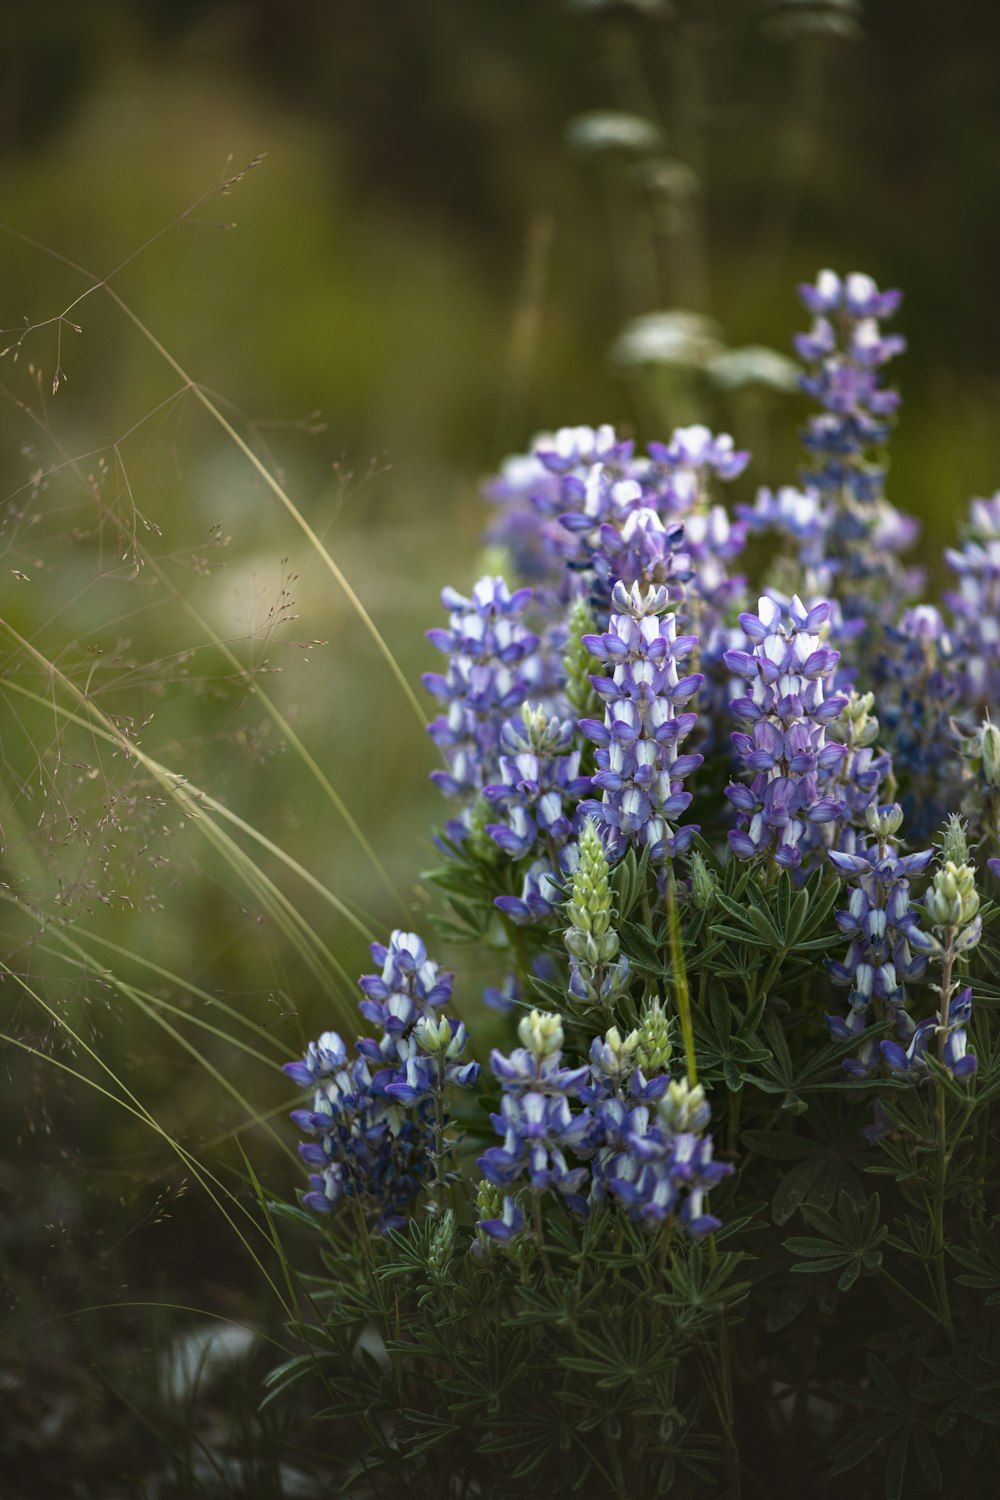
[
  {"x": 614, "y": 1056},
  {"x": 955, "y": 845},
  {"x": 884, "y": 822},
  {"x": 990, "y": 742},
  {"x": 489, "y": 1200},
  {"x": 653, "y": 1051},
  {"x": 684, "y": 1107},
  {"x": 952, "y": 900},
  {"x": 432, "y": 1035},
  {"x": 541, "y": 1032},
  {"x": 703, "y": 883},
  {"x": 442, "y": 1240},
  {"x": 578, "y": 663},
  {"x": 859, "y": 724}
]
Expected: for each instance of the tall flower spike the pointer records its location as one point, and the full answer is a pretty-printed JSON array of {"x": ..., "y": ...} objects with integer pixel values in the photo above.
[
  {"x": 951, "y": 906},
  {"x": 920, "y": 672},
  {"x": 883, "y": 926},
  {"x": 490, "y": 673},
  {"x": 976, "y": 602},
  {"x": 845, "y": 351},
  {"x": 377, "y": 1122},
  {"x": 640, "y": 769},
  {"x": 786, "y": 710},
  {"x": 598, "y": 973},
  {"x": 980, "y": 752},
  {"x": 667, "y": 1166},
  {"x": 538, "y": 785},
  {"x": 535, "y": 1119}
]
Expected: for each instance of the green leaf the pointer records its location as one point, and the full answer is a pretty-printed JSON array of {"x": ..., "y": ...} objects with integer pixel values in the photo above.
[
  {"x": 794, "y": 1188},
  {"x": 853, "y": 1450},
  {"x": 895, "y": 1468}
]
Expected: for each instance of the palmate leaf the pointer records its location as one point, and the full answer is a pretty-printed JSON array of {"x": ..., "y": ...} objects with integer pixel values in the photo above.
[
  {"x": 623, "y": 1361},
  {"x": 828, "y": 1159},
  {"x": 724, "y": 1039},
  {"x": 892, "y": 1431},
  {"x": 781, "y": 919},
  {"x": 848, "y": 1242},
  {"x": 628, "y": 882},
  {"x": 982, "y": 1262}
]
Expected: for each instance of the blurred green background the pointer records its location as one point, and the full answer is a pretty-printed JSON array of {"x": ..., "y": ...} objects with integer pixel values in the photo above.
[{"x": 419, "y": 273}]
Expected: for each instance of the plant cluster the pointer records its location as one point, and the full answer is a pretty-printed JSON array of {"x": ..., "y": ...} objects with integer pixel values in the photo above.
[{"x": 703, "y": 1224}]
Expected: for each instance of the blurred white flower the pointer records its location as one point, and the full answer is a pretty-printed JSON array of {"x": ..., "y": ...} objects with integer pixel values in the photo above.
[
  {"x": 754, "y": 364},
  {"x": 673, "y": 337},
  {"x": 610, "y": 130}
]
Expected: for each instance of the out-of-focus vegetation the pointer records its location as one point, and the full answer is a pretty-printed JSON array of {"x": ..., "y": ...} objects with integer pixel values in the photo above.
[{"x": 422, "y": 272}]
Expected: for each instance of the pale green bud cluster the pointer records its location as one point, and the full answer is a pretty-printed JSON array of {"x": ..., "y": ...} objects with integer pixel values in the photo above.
[
  {"x": 614, "y": 1056},
  {"x": 981, "y": 750},
  {"x": 598, "y": 974},
  {"x": 623, "y": 1050},
  {"x": 479, "y": 843},
  {"x": 684, "y": 1107},
  {"x": 980, "y": 753},
  {"x": 884, "y": 822},
  {"x": 952, "y": 900},
  {"x": 578, "y": 662},
  {"x": 489, "y": 1200},
  {"x": 857, "y": 726},
  {"x": 703, "y": 883},
  {"x": 652, "y": 1053},
  {"x": 541, "y": 1032},
  {"x": 434, "y": 1036},
  {"x": 955, "y": 844},
  {"x": 989, "y": 740},
  {"x": 442, "y": 1242},
  {"x": 590, "y": 937},
  {"x": 542, "y": 731}
]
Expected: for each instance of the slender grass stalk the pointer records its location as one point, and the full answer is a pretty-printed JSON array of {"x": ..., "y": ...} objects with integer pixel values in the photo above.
[
  {"x": 194, "y": 803},
  {"x": 195, "y": 800},
  {"x": 251, "y": 681},
  {"x": 185, "y": 984},
  {"x": 149, "y": 1006},
  {"x": 104, "y": 284},
  {"x": 215, "y": 1189},
  {"x": 682, "y": 1001}
]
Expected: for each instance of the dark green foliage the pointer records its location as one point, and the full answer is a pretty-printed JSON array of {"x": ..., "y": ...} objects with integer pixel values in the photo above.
[
  {"x": 571, "y": 1379},
  {"x": 838, "y": 1337}
]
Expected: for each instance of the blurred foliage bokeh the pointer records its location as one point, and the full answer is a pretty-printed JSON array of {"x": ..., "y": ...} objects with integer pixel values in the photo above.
[{"x": 410, "y": 248}]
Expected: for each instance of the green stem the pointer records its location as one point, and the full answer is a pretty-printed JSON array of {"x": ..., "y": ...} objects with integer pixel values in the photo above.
[
  {"x": 725, "y": 1401},
  {"x": 733, "y": 1126},
  {"x": 438, "y": 1192},
  {"x": 682, "y": 995},
  {"x": 536, "y": 1219},
  {"x": 909, "y": 1298},
  {"x": 940, "y": 1114}
]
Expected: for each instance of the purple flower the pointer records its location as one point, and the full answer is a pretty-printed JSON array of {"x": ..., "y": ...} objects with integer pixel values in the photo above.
[
  {"x": 370, "y": 1128},
  {"x": 538, "y": 784},
  {"x": 507, "y": 1227},
  {"x": 491, "y": 669},
  {"x": 408, "y": 987},
  {"x": 912, "y": 1059},
  {"x": 640, "y": 768},
  {"x": 883, "y": 926},
  {"x": 786, "y": 708},
  {"x": 976, "y": 602},
  {"x": 857, "y": 557},
  {"x": 535, "y": 1120}
]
